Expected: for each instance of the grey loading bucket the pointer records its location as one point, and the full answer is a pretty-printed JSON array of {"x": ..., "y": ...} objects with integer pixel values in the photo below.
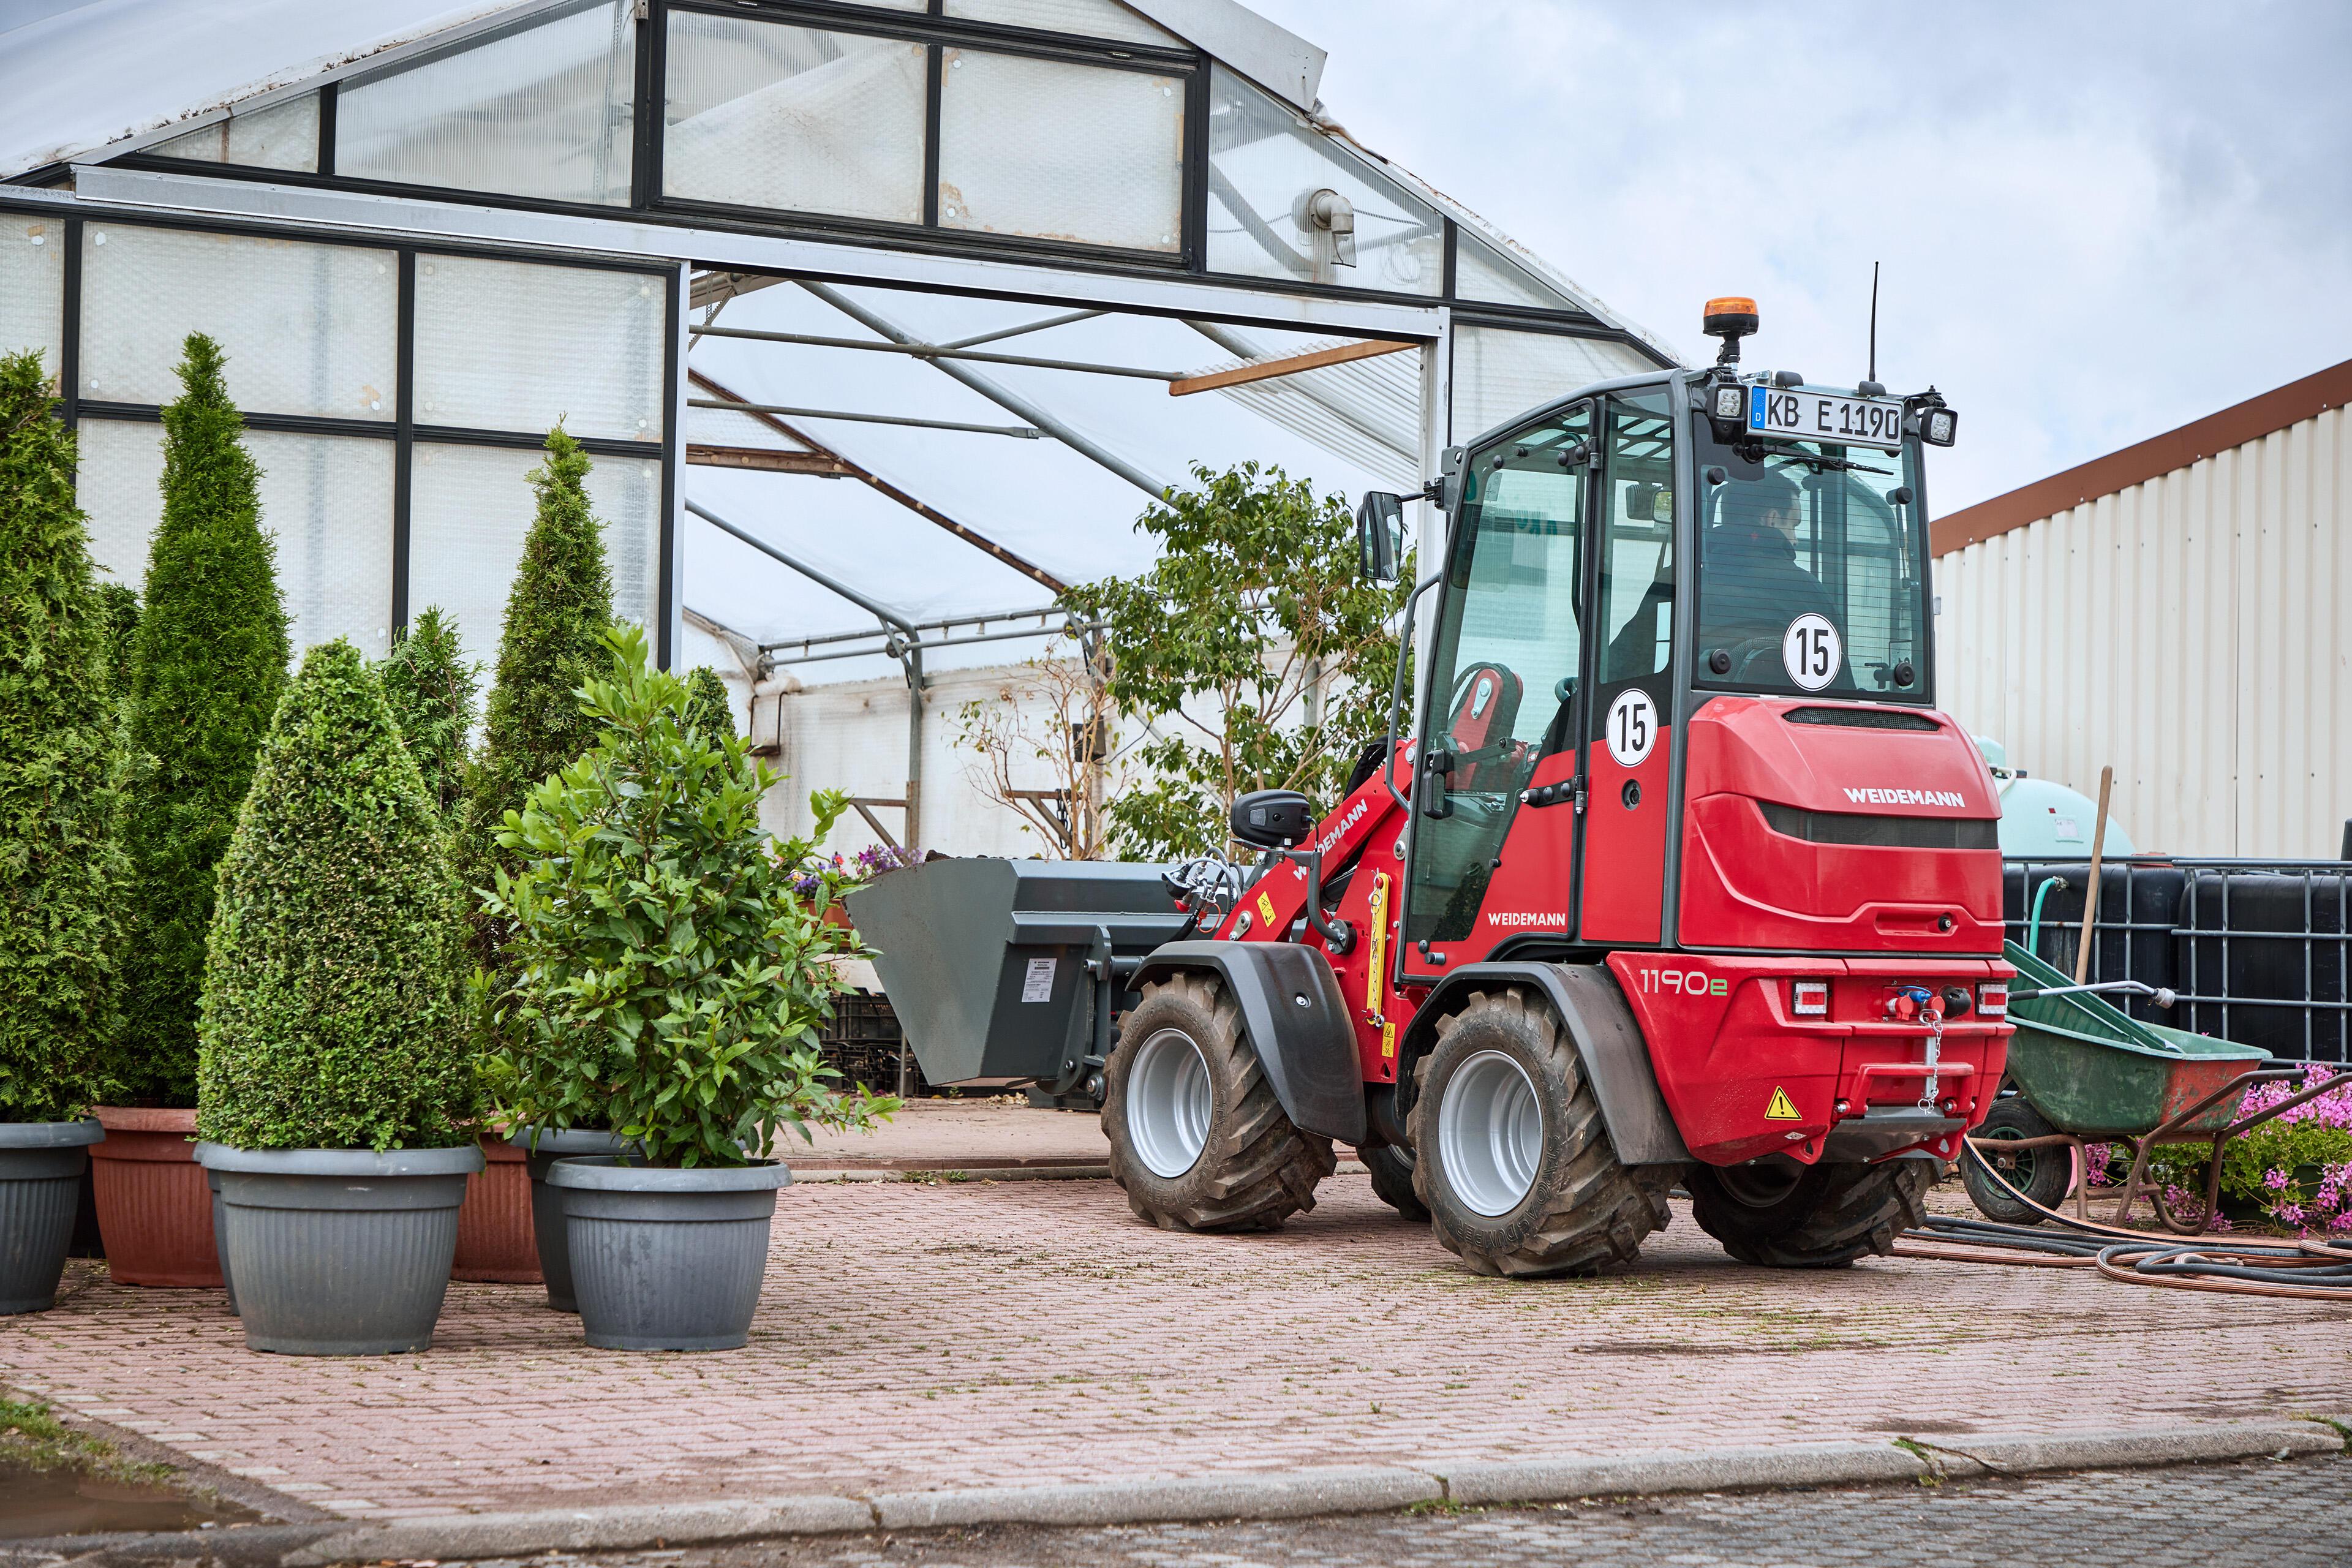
[{"x": 987, "y": 962}]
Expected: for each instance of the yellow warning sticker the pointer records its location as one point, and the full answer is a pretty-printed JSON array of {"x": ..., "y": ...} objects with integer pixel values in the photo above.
[
  {"x": 1265, "y": 909},
  {"x": 1782, "y": 1108},
  {"x": 1388, "y": 1042}
]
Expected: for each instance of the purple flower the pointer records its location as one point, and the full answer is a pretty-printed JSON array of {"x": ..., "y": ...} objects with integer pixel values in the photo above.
[
  {"x": 2274, "y": 1179},
  {"x": 2288, "y": 1214}
]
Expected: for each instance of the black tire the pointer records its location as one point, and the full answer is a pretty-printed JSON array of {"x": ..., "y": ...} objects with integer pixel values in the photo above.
[
  {"x": 1255, "y": 1169},
  {"x": 2045, "y": 1176},
  {"x": 1785, "y": 1215},
  {"x": 1392, "y": 1171},
  {"x": 1583, "y": 1210}
]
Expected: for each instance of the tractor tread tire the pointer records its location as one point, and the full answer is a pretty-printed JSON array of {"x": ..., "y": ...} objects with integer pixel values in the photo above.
[
  {"x": 1257, "y": 1168},
  {"x": 1587, "y": 1211},
  {"x": 1837, "y": 1213},
  {"x": 1392, "y": 1173}
]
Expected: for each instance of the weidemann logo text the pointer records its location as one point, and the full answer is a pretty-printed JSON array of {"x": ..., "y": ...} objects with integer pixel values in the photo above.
[
  {"x": 1906, "y": 797},
  {"x": 1525, "y": 918}
]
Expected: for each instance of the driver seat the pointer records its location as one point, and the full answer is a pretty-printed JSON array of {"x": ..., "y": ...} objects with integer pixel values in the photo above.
[{"x": 1486, "y": 710}]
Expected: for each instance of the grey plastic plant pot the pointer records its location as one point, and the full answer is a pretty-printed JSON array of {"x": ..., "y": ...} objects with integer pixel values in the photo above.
[
  {"x": 220, "y": 1237},
  {"x": 541, "y": 1149},
  {"x": 341, "y": 1251},
  {"x": 41, "y": 1164},
  {"x": 665, "y": 1259}
]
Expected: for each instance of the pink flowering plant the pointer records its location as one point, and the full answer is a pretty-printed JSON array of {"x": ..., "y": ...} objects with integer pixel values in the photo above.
[{"x": 2295, "y": 1170}]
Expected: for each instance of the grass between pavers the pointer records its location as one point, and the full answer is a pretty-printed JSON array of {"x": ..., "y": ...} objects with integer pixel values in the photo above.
[{"x": 33, "y": 1439}]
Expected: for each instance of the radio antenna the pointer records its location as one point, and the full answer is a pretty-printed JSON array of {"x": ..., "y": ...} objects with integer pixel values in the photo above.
[{"x": 1873, "y": 321}]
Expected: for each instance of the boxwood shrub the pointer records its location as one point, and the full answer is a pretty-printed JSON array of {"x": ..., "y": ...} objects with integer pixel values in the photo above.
[
  {"x": 330, "y": 1006},
  {"x": 430, "y": 684}
]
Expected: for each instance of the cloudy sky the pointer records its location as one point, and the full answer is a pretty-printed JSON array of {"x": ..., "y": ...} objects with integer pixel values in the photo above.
[{"x": 2098, "y": 221}]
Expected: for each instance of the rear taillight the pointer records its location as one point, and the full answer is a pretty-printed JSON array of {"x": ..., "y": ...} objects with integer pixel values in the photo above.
[
  {"x": 1809, "y": 999},
  {"x": 1992, "y": 999}
]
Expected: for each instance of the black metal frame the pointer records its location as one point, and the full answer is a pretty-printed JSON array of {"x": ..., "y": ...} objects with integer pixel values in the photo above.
[
  {"x": 402, "y": 429},
  {"x": 938, "y": 31},
  {"x": 2199, "y": 975}
]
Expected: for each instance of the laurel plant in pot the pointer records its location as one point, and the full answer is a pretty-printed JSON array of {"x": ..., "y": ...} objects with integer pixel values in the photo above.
[
  {"x": 664, "y": 982},
  {"x": 334, "y": 1089}
]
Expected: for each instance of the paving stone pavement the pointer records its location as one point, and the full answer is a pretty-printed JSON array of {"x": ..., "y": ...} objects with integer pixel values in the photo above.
[
  {"x": 2256, "y": 1515},
  {"x": 978, "y": 1333}
]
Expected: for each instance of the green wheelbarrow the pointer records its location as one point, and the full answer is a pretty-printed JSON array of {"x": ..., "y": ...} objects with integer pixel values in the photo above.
[{"x": 2085, "y": 1072}]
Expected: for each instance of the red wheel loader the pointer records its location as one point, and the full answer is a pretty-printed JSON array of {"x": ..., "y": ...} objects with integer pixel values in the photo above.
[{"x": 1684, "y": 882}]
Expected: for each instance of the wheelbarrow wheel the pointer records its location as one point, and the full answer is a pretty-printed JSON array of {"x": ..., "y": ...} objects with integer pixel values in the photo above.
[
  {"x": 1782, "y": 1214},
  {"x": 2044, "y": 1174},
  {"x": 1198, "y": 1141}
]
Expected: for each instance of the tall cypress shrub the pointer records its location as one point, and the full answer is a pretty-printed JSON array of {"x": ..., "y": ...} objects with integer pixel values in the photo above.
[
  {"x": 430, "y": 685},
  {"x": 330, "y": 1003},
  {"x": 207, "y": 664},
  {"x": 707, "y": 710},
  {"x": 557, "y": 613},
  {"x": 119, "y": 605},
  {"x": 60, "y": 804}
]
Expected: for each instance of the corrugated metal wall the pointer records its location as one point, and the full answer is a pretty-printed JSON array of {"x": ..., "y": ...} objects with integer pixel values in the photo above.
[{"x": 2195, "y": 631}]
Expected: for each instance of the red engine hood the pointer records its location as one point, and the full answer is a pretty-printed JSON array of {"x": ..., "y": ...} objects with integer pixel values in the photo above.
[
  {"x": 1746, "y": 745},
  {"x": 1755, "y": 881}
]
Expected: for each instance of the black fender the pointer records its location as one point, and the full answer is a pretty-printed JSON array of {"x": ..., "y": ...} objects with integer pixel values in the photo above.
[
  {"x": 1296, "y": 1020},
  {"x": 1616, "y": 1058}
]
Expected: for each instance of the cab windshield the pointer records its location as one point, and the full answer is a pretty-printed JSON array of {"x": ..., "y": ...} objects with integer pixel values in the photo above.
[{"x": 1811, "y": 575}]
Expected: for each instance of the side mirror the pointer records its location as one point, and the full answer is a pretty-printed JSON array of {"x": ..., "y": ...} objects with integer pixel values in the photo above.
[
  {"x": 1272, "y": 819},
  {"x": 1380, "y": 530}
]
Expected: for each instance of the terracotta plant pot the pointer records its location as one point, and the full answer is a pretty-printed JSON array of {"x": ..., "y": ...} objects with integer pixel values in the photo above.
[
  {"x": 154, "y": 1206},
  {"x": 495, "y": 1240}
]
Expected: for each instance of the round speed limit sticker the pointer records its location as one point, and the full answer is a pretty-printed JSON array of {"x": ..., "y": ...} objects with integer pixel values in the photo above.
[
  {"x": 1631, "y": 728},
  {"x": 1812, "y": 652}
]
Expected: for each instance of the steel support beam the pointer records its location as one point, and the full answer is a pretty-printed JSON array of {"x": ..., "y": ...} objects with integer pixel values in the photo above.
[
  {"x": 923, "y": 509},
  {"x": 909, "y": 651},
  {"x": 995, "y": 391},
  {"x": 1023, "y": 432},
  {"x": 1024, "y": 329},
  {"x": 942, "y": 351}
]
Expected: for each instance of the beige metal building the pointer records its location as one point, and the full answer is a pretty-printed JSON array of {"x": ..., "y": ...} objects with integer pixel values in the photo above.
[{"x": 2179, "y": 609}]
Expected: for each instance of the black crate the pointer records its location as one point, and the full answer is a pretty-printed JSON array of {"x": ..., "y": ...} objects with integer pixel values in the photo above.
[{"x": 864, "y": 1044}]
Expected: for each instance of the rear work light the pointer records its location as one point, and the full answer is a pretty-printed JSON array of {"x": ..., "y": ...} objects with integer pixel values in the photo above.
[
  {"x": 1992, "y": 999},
  {"x": 1809, "y": 999}
]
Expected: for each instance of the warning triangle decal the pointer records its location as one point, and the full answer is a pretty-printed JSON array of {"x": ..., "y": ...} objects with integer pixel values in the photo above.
[{"x": 1781, "y": 1109}]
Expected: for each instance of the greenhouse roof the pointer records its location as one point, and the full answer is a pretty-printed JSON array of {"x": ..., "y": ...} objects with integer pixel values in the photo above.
[{"x": 972, "y": 329}]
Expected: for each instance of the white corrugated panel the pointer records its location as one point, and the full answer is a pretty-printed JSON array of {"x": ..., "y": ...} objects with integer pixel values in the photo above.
[{"x": 2191, "y": 631}]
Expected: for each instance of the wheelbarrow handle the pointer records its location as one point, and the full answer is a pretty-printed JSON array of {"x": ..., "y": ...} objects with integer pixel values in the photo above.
[{"x": 2162, "y": 995}]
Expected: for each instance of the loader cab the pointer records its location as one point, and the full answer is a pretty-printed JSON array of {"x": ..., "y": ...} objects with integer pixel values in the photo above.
[{"x": 1615, "y": 561}]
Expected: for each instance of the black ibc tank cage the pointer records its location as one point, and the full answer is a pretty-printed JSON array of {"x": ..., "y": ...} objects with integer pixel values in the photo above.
[{"x": 2258, "y": 952}]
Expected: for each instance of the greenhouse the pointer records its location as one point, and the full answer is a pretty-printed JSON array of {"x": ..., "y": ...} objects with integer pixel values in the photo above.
[{"x": 882, "y": 321}]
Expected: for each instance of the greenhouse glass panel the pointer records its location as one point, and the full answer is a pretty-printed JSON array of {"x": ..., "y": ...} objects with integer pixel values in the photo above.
[
  {"x": 548, "y": 111},
  {"x": 281, "y": 136},
  {"x": 793, "y": 118},
  {"x": 511, "y": 345},
  {"x": 469, "y": 509},
  {"x": 326, "y": 500},
  {"x": 1499, "y": 374},
  {"x": 32, "y": 287},
  {"x": 306, "y": 329},
  {"x": 1264, "y": 163},
  {"x": 1480, "y": 273},
  {"x": 1061, "y": 152},
  {"x": 1086, "y": 18}
]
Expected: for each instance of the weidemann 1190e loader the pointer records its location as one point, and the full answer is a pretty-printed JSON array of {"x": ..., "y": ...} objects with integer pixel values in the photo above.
[{"x": 1686, "y": 882}]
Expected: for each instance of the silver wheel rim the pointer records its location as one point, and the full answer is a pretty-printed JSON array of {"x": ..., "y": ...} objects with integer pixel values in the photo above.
[
  {"x": 1490, "y": 1133},
  {"x": 1170, "y": 1099}
]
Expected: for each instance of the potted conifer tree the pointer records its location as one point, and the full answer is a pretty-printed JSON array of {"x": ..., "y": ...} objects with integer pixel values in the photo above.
[
  {"x": 60, "y": 854},
  {"x": 334, "y": 1087},
  {"x": 430, "y": 684},
  {"x": 208, "y": 660},
  {"x": 557, "y": 613},
  {"x": 666, "y": 980}
]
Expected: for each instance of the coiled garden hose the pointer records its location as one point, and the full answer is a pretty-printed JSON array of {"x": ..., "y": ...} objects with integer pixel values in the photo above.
[{"x": 2309, "y": 1270}]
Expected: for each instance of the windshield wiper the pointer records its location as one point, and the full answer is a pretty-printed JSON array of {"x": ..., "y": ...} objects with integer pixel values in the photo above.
[{"x": 1819, "y": 464}]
